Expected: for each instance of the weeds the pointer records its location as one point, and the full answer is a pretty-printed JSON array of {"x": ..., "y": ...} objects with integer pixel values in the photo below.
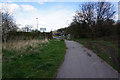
[
  {"x": 107, "y": 50},
  {"x": 41, "y": 61}
]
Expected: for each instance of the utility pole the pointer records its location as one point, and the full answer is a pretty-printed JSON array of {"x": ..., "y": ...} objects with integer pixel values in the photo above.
[{"x": 37, "y": 23}]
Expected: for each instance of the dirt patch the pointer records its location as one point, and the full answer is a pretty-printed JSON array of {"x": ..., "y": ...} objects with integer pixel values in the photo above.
[{"x": 89, "y": 54}]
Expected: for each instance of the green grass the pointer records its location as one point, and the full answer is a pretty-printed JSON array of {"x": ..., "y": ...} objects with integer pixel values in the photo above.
[
  {"x": 103, "y": 49},
  {"x": 42, "y": 61}
]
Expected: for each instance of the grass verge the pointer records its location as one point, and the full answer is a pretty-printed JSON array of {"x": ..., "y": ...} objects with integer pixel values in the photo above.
[
  {"x": 107, "y": 50},
  {"x": 41, "y": 61}
]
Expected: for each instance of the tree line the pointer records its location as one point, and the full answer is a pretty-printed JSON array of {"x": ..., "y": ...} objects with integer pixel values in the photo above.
[
  {"x": 93, "y": 20},
  {"x": 11, "y": 31}
]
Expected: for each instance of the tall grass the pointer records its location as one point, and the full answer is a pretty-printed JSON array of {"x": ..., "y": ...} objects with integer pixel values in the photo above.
[
  {"x": 18, "y": 44},
  {"x": 41, "y": 61}
]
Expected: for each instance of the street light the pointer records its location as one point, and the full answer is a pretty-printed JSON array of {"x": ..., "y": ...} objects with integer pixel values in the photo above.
[{"x": 37, "y": 22}]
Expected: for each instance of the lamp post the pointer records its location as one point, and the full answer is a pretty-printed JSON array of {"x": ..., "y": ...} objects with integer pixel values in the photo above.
[{"x": 37, "y": 23}]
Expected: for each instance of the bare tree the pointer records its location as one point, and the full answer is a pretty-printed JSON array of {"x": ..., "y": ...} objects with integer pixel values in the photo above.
[
  {"x": 8, "y": 25},
  {"x": 94, "y": 12},
  {"x": 27, "y": 28},
  {"x": 104, "y": 11},
  {"x": 85, "y": 14},
  {"x": 93, "y": 19},
  {"x": 83, "y": 20}
]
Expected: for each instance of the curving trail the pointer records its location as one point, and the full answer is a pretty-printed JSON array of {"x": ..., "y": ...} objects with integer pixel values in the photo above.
[{"x": 82, "y": 63}]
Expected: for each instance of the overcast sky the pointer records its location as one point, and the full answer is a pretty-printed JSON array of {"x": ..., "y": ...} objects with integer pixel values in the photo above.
[{"x": 51, "y": 15}]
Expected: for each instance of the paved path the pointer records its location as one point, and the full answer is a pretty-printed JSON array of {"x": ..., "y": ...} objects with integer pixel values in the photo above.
[{"x": 82, "y": 63}]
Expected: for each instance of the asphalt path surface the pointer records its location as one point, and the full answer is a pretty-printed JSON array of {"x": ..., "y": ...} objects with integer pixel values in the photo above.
[{"x": 81, "y": 62}]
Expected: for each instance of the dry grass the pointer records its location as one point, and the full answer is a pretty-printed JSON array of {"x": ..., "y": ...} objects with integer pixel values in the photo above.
[
  {"x": 39, "y": 62},
  {"x": 17, "y": 45}
]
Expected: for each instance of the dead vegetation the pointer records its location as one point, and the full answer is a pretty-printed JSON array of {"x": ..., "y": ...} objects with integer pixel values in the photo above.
[{"x": 18, "y": 44}]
